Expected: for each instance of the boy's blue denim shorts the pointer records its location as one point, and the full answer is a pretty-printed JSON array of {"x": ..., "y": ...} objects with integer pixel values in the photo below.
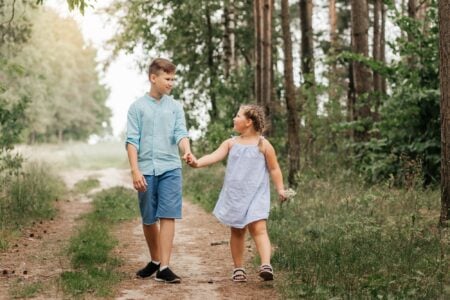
[{"x": 163, "y": 197}]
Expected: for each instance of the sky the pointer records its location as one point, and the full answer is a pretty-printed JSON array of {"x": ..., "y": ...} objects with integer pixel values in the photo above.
[{"x": 123, "y": 78}]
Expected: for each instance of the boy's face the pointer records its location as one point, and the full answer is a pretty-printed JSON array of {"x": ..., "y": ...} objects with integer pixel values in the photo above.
[{"x": 162, "y": 82}]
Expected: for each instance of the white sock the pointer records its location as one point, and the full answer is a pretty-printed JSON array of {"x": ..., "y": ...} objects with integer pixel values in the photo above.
[
  {"x": 155, "y": 262},
  {"x": 163, "y": 267}
]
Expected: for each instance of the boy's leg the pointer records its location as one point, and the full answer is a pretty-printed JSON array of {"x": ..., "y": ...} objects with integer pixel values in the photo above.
[
  {"x": 151, "y": 233},
  {"x": 166, "y": 235},
  {"x": 258, "y": 231},
  {"x": 147, "y": 206},
  {"x": 237, "y": 244}
]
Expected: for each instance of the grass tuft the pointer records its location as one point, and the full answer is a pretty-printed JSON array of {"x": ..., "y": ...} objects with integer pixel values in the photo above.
[
  {"x": 27, "y": 197},
  {"x": 94, "y": 268},
  {"x": 22, "y": 289},
  {"x": 84, "y": 186}
]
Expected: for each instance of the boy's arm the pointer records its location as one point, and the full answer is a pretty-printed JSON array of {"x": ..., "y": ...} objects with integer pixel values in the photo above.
[
  {"x": 274, "y": 169},
  {"x": 139, "y": 181},
  {"x": 214, "y": 157}
]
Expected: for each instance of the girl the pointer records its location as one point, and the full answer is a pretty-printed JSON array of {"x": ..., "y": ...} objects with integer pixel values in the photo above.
[{"x": 244, "y": 201}]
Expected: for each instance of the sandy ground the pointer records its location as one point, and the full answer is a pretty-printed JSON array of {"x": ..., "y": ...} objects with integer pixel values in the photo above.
[{"x": 201, "y": 255}]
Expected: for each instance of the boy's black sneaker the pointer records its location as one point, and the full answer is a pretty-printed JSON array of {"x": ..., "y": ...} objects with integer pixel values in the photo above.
[
  {"x": 167, "y": 275},
  {"x": 149, "y": 270}
]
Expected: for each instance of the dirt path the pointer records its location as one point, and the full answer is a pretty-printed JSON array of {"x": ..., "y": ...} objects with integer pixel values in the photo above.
[{"x": 203, "y": 266}]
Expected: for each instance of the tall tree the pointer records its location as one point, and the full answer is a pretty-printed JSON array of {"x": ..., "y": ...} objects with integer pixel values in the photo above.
[
  {"x": 377, "y": 50},
  {"x": 444, "y": 50},
  {"x": 361, "y": 73},
  {"x": 307, "y": 42},
  {"x": 229, "y": 38},
  {"x": 293, "y": 122},
  {"x": 263, "y": 52},
  {"x": 307, "y": 71}
]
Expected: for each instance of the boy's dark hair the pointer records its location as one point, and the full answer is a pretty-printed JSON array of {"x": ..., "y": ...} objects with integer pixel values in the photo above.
[{"x": 161, "y": 64}]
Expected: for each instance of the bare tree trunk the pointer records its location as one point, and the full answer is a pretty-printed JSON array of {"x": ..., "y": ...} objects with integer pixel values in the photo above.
[
  {"x": 376, "y": 53},
  {"x": 262, "y": 10},
  {"x": 307, "y": 70},
  {"x": 444, "y": 70},
  {"x": 332, "y": 73},
  {"x": 361, "y": 74},
  {"x": 267, "y": 57},
  {"x": 383, "y": 45},
  {"x": 257, "y": 13},
  {"x": 212, "y": 68},
  {"x": 229, "y": 37},
  {"x": 293, "y": 122},
  {"x": 307, "y": 46}
]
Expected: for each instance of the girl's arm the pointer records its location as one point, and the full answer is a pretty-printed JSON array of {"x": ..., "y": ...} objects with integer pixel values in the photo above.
[
  {"x": 212, "y": 158},
  {"x": 274, "y": 169}
]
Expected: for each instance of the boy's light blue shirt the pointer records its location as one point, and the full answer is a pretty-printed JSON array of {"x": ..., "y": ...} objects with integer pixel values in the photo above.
[{"x": 155, "y": 128}]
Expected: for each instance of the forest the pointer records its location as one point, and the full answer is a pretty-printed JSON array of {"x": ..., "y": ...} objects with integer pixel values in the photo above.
[{"x": 356, "y": 92}]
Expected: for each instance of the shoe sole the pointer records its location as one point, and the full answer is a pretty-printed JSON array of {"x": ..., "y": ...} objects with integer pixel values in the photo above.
[
  {"x": 167, "y": 281},
  {"x": 266, "y": 276}
]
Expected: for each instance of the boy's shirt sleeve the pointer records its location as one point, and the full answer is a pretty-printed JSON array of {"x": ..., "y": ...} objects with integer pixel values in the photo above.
[
  {"x": 180, "y": 125},
  {"x": 133, "y": 132}
]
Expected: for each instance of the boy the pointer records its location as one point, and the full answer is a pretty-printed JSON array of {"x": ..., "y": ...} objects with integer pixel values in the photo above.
[{"x": 156, "y": 127}]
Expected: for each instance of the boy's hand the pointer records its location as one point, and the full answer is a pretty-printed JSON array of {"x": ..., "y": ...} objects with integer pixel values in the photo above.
[{"x": 139, "y": 182}]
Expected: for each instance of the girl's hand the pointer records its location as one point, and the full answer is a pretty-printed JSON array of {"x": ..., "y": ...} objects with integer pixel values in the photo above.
[
  {"x": 282, "y": 195},
  {"x": 191, "y": 160}
]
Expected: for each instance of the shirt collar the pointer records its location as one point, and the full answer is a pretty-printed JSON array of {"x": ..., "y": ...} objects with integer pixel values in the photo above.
[{"x": 154, "y": 100}]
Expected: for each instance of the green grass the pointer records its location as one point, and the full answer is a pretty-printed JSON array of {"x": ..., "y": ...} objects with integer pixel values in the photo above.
[
  {"x": 203, "y": 185},
  {"x": 21, "y": 289},
  {"x": 339, "y": 238},
  {"x": 76, "y": 155},
  {"x": 94, "y": 267},
  {"x": 86, "y": 185},
  {"x": 27, "y": 197}
]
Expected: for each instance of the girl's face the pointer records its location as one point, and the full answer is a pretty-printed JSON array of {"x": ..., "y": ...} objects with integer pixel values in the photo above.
[{"x": 240, "y": 122}]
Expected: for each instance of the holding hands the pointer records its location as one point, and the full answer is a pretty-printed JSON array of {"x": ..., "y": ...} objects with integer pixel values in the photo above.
[{"x": 190, "y": 159}]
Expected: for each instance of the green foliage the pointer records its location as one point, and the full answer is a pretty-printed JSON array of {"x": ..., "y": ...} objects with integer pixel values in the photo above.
[
  {"x": 191, "y": 34},
  {"x": 114, "y": 205},
  {"x": 408, "y": 130},
  {"x": 29, "y": 196},
  {"x": 339, "y": 238},
  {"x": 85, "y": 185},
  {"x": 95, "y": 269},
  {"x": 22, "y": 289},
  {"x": 203, "y": 186}
]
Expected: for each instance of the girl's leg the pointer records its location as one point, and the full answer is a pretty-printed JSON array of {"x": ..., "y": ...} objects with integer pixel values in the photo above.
[
  {"x": 258, "y": 231},
  {"x": 237, "y": 244}
]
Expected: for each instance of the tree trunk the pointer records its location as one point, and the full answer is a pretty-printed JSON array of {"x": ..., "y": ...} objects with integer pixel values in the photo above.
[
  {"x": 263, "y": 53},
  {"x": 332, "y": 71},
  {"x": 293, "y": 123},
  {"x": 229, "y": 37},
  {"x": 444, "y": 70},
  {"x": 361, "y": 73},
  {"x": 383, "y": 46},
  {"x": 267, "y": 57},
  {"x": 307, "y": 46},
  {"x": 212, "y": 68},
  {"x": 376, "y": 53},
  {"x": 257, "y": 13},
  {"x": 307, "y": 70}
]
